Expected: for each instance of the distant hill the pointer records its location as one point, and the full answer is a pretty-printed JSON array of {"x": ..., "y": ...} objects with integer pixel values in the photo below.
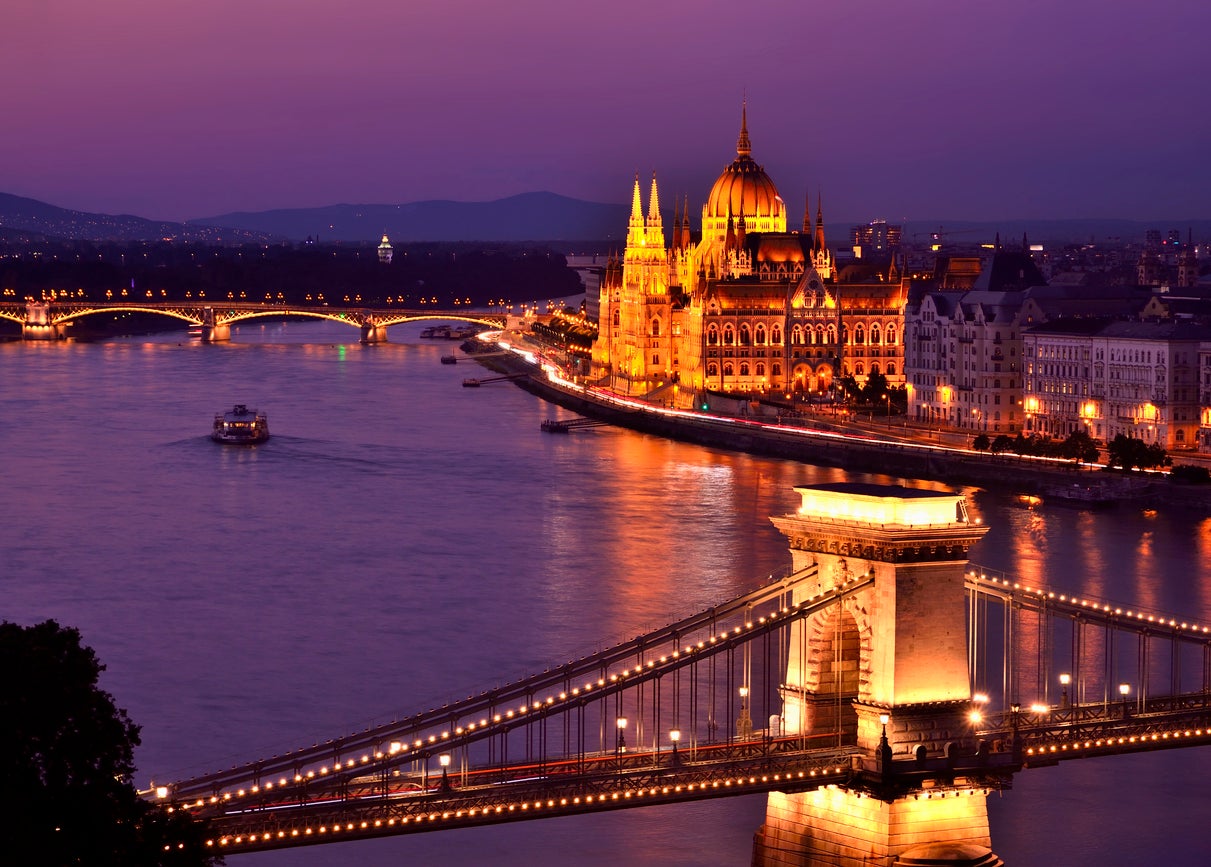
[
  {"x": 542, "y": 216},
  {"x": 525, "y": 217},
  {"x": 24, "y": 220}
]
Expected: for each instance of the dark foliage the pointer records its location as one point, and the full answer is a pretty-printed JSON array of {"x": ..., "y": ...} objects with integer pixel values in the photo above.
[
  {"x": 65, "y": 790},
  {"x": 1130, "y": 453}
]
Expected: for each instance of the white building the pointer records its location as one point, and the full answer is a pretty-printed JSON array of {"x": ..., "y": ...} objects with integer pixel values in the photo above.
[{"x": 1138, "y": 379}]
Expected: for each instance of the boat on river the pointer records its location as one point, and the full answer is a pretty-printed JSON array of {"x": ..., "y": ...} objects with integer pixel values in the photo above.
[{"x": 240, "y": 426}]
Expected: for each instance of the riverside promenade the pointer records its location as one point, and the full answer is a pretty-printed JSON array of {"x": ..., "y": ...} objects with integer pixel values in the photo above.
[{"x": 854, "y": 447}]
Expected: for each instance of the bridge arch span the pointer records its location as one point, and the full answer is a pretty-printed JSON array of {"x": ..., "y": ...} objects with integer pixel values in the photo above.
[{"x": 82, "y": 313}]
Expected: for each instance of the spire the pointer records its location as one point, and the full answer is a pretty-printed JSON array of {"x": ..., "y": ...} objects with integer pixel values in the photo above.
[
  {"x": 743, "y": 146},
  {"x": 685, "y": 225},
  {"x": 819, "y": 221},
  {"x": 636, "y": 205},
  {"x": 676, "y": 225},
  {"x": 729, "y": 240},
  {"x": 807, "y": 214},
  {"x": 654, "y": 205},
  {"x": 741, "y": 225}
]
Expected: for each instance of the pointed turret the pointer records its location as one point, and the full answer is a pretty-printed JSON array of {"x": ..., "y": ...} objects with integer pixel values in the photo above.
[
  {"x": 741, "y": 226},
  {"x": 654, "y": 206},
  {"x": 685, "y": 225},
  {"x": 807, "y": 214},
  {"x": 729, "y": 240},
  {"x": 636, "y": 205},
  {"x": 676, "y": 226},
  {"x": 819, "y": 222}
]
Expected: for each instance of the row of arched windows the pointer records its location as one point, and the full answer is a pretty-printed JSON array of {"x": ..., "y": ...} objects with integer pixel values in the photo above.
[
  {"x": 729, "y": 369},
  {"x": 801, "y": 335}
]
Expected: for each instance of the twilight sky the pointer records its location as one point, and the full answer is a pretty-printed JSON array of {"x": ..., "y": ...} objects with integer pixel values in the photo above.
[{"x": 901, "y": 109}]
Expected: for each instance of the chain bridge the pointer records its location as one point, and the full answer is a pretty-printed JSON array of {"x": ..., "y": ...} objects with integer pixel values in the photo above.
[
  {"x": 49, "y": 320},
  {"x": 878, "y": 692}
]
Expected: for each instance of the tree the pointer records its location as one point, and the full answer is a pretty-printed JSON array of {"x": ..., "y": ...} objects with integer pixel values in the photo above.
[
  {"x": 1129, "y": 452},
  {"x": 981, "y": 443},
  {"x": 1079, "y": 447},
  {"x": 67, "y": 760}
]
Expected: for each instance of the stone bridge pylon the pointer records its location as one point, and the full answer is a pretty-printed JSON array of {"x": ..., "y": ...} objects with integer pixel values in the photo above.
[{"x": 888, "y": 669}]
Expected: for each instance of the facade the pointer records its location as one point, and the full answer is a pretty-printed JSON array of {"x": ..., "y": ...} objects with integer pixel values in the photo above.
[
  {"x": 385, "y": 251},
  {"x": 1138, "y": 379},
  {"x": 964, "y": 346},
  {"x": 746, "y": 306}
]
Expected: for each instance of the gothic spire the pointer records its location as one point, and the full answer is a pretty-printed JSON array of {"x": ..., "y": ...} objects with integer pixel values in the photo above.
[
  {"x": 685, "y": 224},
  {"x": 807, "y": 214},
  {"x": 654, "y": 205},
  {"x": 819, "y": 221},
  {"x": 744, "y": 147},
  {"x": 636, "y": 205}
]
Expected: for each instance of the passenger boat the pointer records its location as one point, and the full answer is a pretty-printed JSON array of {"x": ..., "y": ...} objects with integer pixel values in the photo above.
[
  {"x": 240, "y": 426},
  {"x": 449, "y": 359}
]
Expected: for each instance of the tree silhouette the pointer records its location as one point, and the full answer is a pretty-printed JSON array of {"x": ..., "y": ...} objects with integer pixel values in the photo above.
[{"x": 67, "y": 760}]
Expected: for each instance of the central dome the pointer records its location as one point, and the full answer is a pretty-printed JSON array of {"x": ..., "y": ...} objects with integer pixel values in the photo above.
[{"x": 744, "y": 188}]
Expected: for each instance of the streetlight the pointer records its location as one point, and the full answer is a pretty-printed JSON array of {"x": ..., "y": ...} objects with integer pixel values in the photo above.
[
  {"x": 621, "y": 746},
  {"x": 444, "y": 761},
  {"x": 884, "y": 746},
  {"x": 1124, "y": 689},
  {"x": 1065, "y": 679},
  {"x": 675, "y": 736},
  {"x": 744, "y": 725}
]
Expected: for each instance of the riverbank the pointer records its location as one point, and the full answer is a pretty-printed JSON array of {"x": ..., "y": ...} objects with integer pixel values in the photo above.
[{"x": 1052, "y": 481}]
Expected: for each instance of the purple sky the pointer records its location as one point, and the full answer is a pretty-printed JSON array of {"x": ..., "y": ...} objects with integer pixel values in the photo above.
[{"x": 901, "y": 109}]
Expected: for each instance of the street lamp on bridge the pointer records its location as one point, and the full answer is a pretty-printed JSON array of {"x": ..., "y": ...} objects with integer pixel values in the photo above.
[
  {"x": 675, "y": 736},
  {"x": 1065, "y": 679},
  {"x": 444, "y": 761},
  {"x": 744, "y": 725}
]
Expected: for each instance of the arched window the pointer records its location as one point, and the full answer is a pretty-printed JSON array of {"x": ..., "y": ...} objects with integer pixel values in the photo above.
[
  {"x": 615, "y": 318},
  {"x": 844, "y": 335},
  {"x": 775, "y": 335},
  {"x": 874, "y": 335},
  {"x": 712, "y": 369},
  {"x": 797, "y": 335},
  {"x": 891, "y": 368},
  {"x": 728, "y": 370},
  {"x": 891, "y": 335},
  {"x": 744, "y": 368},
  {"x": 858, "y": 368},
  {"x": 832, "y": 335},
  {"x": 729, "y": 335},
  {"x": 712, "y": 335},
  {"x": 874, "y": 367},
  {"x": 759, "y": 334},
  {"x": 761, "y": 368},
  {"x": 655, "y": 326},
  {"x": 775, "y": 369},
  {"x": 859, "y": 335},
  {"x": 820, "y": 336},
  {"x": 746, "y": 336}
]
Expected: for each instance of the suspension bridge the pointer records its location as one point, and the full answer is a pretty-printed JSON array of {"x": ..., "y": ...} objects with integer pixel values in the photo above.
[{"x": 878, "y": 692}]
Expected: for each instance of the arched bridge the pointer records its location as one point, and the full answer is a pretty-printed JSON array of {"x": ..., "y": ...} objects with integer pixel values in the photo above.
[
  {"x": 48, "y": 320},
  {"x": 880, "y": 690}
]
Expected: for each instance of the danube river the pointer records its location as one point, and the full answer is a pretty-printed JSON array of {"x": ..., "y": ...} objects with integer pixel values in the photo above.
[{"x": 402, "y": 542}]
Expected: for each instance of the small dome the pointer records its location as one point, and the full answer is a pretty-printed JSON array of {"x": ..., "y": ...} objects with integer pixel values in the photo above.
[{"x": 744, "y": 188}]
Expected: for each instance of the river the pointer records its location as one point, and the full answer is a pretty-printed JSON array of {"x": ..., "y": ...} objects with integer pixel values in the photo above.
[{"x": 402, "y": 542}]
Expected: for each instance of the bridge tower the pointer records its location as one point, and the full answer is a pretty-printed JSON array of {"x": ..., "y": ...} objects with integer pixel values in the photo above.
[{"x": 888, "y": 667}]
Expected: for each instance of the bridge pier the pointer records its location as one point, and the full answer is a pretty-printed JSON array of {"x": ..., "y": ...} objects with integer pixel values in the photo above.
[
  {"x": 216, "y": 333},
  {"x": 887, "y": 669},
  {"x": 373, "y": 333},
  {"x": 38, "y": 324}
]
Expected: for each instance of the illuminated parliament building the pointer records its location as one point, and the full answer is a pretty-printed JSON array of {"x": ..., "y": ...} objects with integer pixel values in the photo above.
[{"x": 742, "y": 307}]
